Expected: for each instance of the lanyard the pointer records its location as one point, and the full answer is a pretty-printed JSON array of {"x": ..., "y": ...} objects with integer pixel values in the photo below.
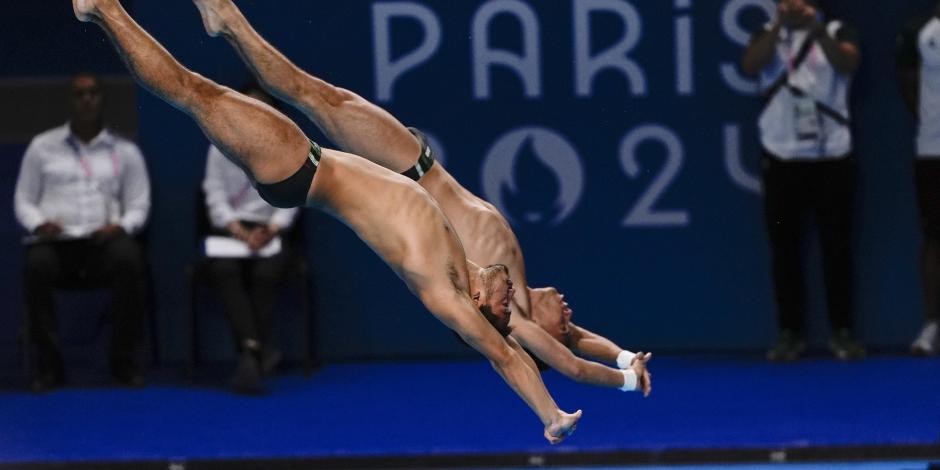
[
  {"x": 794, "y": 61},
  {"x": 86, "y": 165}
]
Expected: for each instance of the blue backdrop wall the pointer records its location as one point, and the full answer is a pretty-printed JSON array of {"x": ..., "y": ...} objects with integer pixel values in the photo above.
[{"x": 616, "y": 135}]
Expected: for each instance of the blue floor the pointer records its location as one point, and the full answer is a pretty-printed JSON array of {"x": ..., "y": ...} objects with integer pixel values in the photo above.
[
  {"x": 905, "y": 465},
  {"x": 463, "y": 407}
]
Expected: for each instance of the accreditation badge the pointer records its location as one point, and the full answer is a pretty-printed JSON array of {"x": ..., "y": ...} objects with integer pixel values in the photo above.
[{"x": 806, "y": 119}]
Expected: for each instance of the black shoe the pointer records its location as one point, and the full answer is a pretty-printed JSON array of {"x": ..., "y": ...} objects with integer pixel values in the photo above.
[
  {"x": 845, "y": 347},
  {"x": 788, "y": 347},
  {"x": 247, "y": 377},
  {"x": 928, "y": 341}
]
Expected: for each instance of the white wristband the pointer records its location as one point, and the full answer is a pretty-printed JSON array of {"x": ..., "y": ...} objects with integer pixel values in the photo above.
[
  {"x": 624, "y": 359},
  {"x": 629, "y": 380}
]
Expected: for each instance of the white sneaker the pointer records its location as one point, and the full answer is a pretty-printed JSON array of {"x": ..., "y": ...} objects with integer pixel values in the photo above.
[{"x": 926, "y": 342}]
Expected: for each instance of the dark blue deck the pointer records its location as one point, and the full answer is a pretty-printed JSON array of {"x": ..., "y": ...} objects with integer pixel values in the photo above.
[{"x": 381, "y": 409}]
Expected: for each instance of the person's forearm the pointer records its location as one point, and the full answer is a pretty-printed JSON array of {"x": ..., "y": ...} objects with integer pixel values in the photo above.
[
  {"x": 560, "y": 358},
  {"x": 133, "y": 221},
  {"x": 527, "y": 358},
  {"x": 503, "y": 354},
  {"x": 220, "y": 211},
  {"x": 843, "y": 56},
  {"x": 760, "y": 51},
  {"x": 595, "y": 346},
  {"x": 29, "y": 215},
  {"x": 27, "y": 191},
  {"x": 283, "y": 218},
  {"x": 135, "y": 202},
  {"x": 528, "y": 385},
  {"x": 593, "y": 373}
]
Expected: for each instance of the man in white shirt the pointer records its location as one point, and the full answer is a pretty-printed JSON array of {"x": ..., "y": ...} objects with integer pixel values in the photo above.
[
  {"x": 82, "y": 191},
  {"x": 246, "y": 285},
  {"x": 919, "y": 72},
  {"x": 805, "y": 66}
]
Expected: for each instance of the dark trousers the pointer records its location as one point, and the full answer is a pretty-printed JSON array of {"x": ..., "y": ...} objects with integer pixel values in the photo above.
[
  {"x": 927, "y": 182},
  {"x": 117, "y": 263},
  {"x": 247, "y": 288},
  {"x": 793, "y": 191}
]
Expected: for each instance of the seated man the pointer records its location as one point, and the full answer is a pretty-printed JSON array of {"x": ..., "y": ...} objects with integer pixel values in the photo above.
[
  {"x": 363, "y": 128},
  {"x": 247, "y": 285},
  {"x": 82, "y": 192},
  {"x": 391, "y": 213}
]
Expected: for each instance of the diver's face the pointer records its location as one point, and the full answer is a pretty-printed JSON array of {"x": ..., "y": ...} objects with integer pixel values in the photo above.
[
  {"x": 552, "y": 313},
  {"x": 495, "y": 299}
]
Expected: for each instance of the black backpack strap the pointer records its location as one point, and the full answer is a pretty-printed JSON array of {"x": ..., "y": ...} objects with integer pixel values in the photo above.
[
  {"x": 782, "y": 82},
  {"x": 801, "y": 56},
  {"x": 832, "y": 113},
  {"x": 822, "y": 107}
]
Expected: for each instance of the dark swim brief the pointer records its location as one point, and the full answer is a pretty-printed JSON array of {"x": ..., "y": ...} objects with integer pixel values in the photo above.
[
  {"x": 293, "y": 191},
  {"x": 425, "y": 159}
]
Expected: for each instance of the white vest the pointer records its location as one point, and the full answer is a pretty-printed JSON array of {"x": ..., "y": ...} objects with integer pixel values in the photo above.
[
  {"x": 821, "y": 82},
  {"x": 928, "y": 133}
]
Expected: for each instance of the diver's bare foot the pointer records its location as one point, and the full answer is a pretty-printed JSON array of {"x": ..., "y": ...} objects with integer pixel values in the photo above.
[
  {"x": 563, "y": 427},
  {"x": 212, "y": 15},
  {"x": 85, "y": 10}
]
